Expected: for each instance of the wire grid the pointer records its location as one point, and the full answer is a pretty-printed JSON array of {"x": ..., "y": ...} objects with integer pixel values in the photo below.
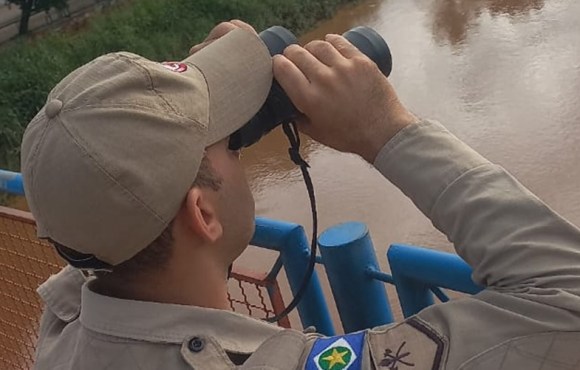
[
  {"x": 256, "y": 295},
  {"x": 243, "y": 304},
  {"x": 26, "y": 262}
]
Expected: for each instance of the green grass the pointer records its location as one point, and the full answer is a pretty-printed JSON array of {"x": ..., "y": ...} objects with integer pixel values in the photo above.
[{"x": 157, "y": 29}]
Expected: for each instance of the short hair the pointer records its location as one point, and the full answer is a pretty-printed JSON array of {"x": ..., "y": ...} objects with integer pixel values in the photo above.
[{"x": 156, "y": 255}]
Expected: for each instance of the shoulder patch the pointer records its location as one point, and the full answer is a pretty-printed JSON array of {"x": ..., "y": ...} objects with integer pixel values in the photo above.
[
  {"x": 410, "y": 345},
  {"x": 342, "y": 352}
]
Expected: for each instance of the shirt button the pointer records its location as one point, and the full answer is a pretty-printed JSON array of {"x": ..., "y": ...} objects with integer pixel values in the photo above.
[{"x": 196, "y": 344}]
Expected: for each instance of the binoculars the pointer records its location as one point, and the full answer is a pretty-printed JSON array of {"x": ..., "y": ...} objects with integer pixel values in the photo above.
[{"x": 278, "y": 108}]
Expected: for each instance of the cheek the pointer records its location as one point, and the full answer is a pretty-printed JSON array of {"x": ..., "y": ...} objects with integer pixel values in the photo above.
[
  {"x": 248, "y": 197},
  {"x": 240, "y": 195},
  {"x": 246, "y": 203},
  {"x": 239, "y": 212}
]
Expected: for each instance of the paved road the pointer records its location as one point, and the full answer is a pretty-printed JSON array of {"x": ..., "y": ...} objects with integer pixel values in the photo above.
[{"x": 9, "y": 14}]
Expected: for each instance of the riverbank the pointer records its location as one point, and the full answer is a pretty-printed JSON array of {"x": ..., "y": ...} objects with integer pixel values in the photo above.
[{"x": 156, "y": 29}]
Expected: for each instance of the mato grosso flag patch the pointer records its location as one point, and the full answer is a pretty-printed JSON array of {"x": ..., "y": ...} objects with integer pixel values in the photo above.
[{"x": 337, "y": 353}]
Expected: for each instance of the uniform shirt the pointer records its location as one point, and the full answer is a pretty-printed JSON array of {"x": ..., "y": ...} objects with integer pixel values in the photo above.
[{"x": 527, "y": 317}]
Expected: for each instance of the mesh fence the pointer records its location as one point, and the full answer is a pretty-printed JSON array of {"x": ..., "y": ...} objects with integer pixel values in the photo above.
[
  {"x": 256, "y": 295},
  {"x": 25, "y": 262}
]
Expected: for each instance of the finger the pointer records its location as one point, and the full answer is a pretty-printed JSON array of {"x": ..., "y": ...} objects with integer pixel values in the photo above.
[
  {"x": 306, "y": 62},
  {"x": 343, "y": 46},
  {"x": 243, "y": 25},
  {"x": 324, "y": 52},
  {"x": 220, "y": 30},
  {"x": 292, "y": 80},
  {"x": 198, "y": 47},
  {"x": 217, "y": 32}
]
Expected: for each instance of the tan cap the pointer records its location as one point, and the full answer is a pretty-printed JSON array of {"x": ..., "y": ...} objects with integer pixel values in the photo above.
[{"x": 109, "y": 159}]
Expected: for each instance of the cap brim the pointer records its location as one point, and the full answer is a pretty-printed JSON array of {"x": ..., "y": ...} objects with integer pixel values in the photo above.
[{"x": 238, "y": 71}]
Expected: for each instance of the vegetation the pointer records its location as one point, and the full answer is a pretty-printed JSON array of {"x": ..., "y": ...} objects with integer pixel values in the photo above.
[{"x": 156, "y": 29}]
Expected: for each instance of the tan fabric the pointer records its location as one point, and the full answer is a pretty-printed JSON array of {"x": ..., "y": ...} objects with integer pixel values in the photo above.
[
  {"x": 526, "y": 254},
  {"x": 408, "y": 344},
  {"x": 108, "y": 160},
  {"x": 528, "y": 318},
  {"x": 124, "y": 334}
]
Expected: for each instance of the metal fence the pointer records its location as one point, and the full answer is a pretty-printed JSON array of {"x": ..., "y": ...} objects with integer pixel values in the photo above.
[
  {"x": 346, "y": 252},
  {"x": 25, "y": 262}
]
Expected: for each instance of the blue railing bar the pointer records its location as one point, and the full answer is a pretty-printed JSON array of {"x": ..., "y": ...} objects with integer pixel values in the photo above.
[
  {"x": 382, "y": 276},
  {"x": 379, "y": 275},
  {"x": 432, "y": 268},
  {"x": 11, "y": 182},
  {"x": 271, "y": 234},
  {"x": 415, "y": 270},
  {"x": 290, "y": 240},
  {"x": 439, "y": 294},
  {"x": 277, "y": 266}
]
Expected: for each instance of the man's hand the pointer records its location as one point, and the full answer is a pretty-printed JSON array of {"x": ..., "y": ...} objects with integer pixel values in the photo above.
[
  {"x": 347, "y": 102},
  {"x": 220, "y": 30}
]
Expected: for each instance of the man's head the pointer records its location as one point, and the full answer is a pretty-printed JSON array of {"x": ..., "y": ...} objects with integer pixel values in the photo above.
[{"x": 128, "y": 151}]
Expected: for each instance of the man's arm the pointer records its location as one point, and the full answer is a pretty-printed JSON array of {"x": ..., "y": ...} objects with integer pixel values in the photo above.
[
  {"x": 526, "y": 255},
  {"x": 512, "y": 240}
]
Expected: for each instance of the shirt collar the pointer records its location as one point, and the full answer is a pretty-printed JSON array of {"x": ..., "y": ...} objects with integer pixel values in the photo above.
[
  {"x": 171, "y": 323},
  {"x": 61, "y": 293}
]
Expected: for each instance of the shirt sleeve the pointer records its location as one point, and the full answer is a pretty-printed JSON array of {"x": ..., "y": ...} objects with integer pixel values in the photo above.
[{"x": 512, "y": 239}]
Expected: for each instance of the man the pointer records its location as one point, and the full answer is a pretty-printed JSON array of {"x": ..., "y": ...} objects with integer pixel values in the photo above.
[{"x": 128, "y": 173}]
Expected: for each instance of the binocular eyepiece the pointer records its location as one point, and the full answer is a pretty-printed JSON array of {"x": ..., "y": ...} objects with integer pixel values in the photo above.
[{"x": 278, "y": 108}]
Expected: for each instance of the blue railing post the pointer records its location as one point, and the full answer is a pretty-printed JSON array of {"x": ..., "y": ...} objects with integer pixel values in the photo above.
[
  {"x": 413, "y": 294},
  {"x": 290, "y": 240},
  {"x": 416, "y": 269},
  {"x": 11, "y": 182},
  {"x": 348, "y": 254}
]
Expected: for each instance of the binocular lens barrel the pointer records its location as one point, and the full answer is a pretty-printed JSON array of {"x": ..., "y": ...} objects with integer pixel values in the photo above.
[
  {"x": 277, "y": 39},
  {"x": 278, "y": 108},
  {"x": 371, "y": 44}
]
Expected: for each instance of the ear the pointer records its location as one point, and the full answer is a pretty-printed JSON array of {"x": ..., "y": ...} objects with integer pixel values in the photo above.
[{"x": 202, "y": 215}]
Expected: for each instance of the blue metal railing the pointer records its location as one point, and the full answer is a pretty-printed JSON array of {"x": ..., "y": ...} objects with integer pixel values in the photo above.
[
  {"x": 11, "y": 182},
  {"x": 356, "y": 281},
  {"x": 415, "y": 270},
  {"x": 290, "y": 240}
]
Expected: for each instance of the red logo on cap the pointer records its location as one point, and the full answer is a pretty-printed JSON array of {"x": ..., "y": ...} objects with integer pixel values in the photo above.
[{"x": 175, "y": 66}]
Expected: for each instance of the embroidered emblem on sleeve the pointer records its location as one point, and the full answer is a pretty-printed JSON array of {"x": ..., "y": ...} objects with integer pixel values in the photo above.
[
  {"x": 411, "y": 345},
  {"x": 392, "y": 360},
  {"x": 337, "y": 353}
]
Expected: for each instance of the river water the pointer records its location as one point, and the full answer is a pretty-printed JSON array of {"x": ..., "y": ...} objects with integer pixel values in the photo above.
[{"x": 503, "y": 75}]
